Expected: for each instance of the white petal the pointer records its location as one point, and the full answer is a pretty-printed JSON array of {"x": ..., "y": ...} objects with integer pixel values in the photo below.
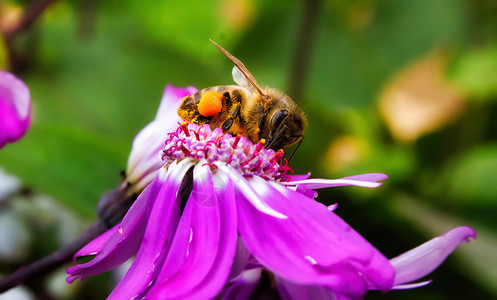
[
  {"x": 319, "y": 183},
  {"x": 248, "y": 191}
]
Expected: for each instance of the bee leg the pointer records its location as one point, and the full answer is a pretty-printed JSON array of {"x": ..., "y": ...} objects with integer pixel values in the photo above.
[
  {"x": 227, "y": 96},
  {"x": 235, "y": 112},
  {"x": 262, "y": 121},
  {"x": 274, "y": 142},
  {"x": 227, "y": 124}
]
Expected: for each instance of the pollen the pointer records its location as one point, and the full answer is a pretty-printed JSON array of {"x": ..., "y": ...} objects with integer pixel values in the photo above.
[
  {"x": 210, "y": 103},
  {"x": 200, "y": 142}
]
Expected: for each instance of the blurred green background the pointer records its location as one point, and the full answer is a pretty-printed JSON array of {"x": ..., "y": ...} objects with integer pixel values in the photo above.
[{"x": 405, "y": 88}]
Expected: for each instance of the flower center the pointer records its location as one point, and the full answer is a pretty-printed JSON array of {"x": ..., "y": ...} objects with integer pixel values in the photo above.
[{"x": 200, "y": 142}]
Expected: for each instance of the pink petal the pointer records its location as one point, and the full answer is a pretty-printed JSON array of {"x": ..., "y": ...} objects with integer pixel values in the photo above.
[
  {"x": 161, "y": 224},
  {"x": 244, "y": 187},
  {"x": 124, "y": 243},
  {"x": 297, "y": 177},
  {"x": 242, "y": 287},
  {"x": 364, "y": 180},
  {"x": 319, "y": 246},
  {"x": 291, "y": 291},
  {"x": 411, "y": 285},
  {"x": 202, "y": 252},
  {"x": 171, "y": 99},
  {"x": 425, "y": 258},
  {"x": 241, "y": 259},
  {"x": 15, "y": 106},
  {"x": 144, "y": 160},
  {"x": 121, "y": 244},
  {"x": 96, "y": 246}
]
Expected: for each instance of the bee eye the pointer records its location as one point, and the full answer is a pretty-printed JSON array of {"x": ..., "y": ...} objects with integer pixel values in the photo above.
[{"x": 278, "y": 118}]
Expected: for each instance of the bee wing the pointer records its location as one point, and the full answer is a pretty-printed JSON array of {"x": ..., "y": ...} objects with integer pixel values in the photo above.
[
  {"x": 242, "y": 76},
  {"x": 240, "y": 79}
]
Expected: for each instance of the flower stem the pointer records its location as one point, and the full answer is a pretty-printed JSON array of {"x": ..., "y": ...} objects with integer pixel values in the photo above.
[
  {"x": 52, "y": 261},
  {"x": 303, "y": 47},
  {"x": 33, "y": 12}
]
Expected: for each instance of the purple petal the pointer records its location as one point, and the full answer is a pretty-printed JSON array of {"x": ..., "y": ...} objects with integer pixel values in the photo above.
[
  {"x": 244, "y": 187},
  {"x": 373, "y": 177},
  {"x": 291, "y": 291},
  {"x": 171, "y": 99},
  {"x": 121, "y": 245},
  {"x": 319, "y": 246},
  {"x": 306, "y": 191},
  {"x": 15, "y": 106},
  {"x": 242, "y": 287},
  {"x": 161, "y": 224},
  {"x": 241, "y": 259},
  {"x": 124, "y": 243},
  {"x": 425, "y": 258},
  {"x": 94, "y": 247},
  {"x": 297, "y": 177},
  {"x": 144, "y": 160},
  {"x": 411, "y": 285},
  {"x": 364, "y": 180},
  {"x": 198, "y": 266}
]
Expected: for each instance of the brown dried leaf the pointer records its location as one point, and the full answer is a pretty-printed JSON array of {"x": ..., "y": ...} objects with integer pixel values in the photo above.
[{"x": 419, "y": 100}]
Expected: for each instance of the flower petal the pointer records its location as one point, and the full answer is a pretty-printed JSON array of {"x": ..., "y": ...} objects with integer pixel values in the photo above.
[
  {"x": 321, "y": 248},
  {"x": 96, "y": 245},
  {"x": 425, "y": 258},
  {"x": 15, "y": 106},
  {"x": 297, "y": 177},
  {"x": 122, "y": 244},
  {"x": 364, "y": 180},
  {"x": 162, "y": 222},
  {"x": 243, "y": 286},
  {"x": 197, "y": 267},
  {"x": 244, "y": 187},
  {"x": 241, "y": 259},
  {"x": 291, "y": 291},
  {"x": 171, "y": 100},
  {"x": 411, "y": 285},
  {"x": 144, "y": 160}
]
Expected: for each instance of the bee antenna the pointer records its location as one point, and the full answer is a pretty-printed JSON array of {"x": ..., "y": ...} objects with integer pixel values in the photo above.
[
  {"x": 241, "y": 67},
  {"x": 296, "y": 148},
  {"x": 279, "y": 135}
]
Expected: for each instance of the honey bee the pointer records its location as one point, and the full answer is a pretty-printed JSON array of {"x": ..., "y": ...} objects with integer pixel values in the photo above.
[{"x": 246, "y": 109}]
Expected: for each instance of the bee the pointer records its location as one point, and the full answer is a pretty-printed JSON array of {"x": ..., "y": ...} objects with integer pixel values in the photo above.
[{"x": 247, "y": 109}]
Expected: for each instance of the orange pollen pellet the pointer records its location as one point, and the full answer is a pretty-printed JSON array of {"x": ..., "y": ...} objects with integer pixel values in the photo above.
[{"x": 210, "y": 103}]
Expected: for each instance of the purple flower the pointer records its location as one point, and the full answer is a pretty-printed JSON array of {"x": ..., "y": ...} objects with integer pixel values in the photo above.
[
  {"x": 15, "y": 105},
  {"x": 221, "y": 209},
  {"x": 409, "y": 267},
  {"x": 144, "y": 160}
]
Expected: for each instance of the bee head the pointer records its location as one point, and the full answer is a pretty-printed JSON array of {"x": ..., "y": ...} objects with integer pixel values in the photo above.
[{"x": 286, "y": 128}]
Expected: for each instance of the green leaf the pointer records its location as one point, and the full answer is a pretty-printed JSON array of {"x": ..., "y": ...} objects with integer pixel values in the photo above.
[
  {"x": 471, "y": 179},
  {"x": 475, "y": 73},
  {"x": 73, "y": 166}
]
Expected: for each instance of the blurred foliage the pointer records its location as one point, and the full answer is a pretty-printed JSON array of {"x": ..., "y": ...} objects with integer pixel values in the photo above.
[
  {"x": 475, "y": 73},
  {"x": 96, "y": 71}
]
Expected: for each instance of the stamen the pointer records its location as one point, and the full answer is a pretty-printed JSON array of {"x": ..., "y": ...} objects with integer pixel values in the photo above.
[
  {"x": 237, "y": 139},
  {"x": 185, "y": 151},
  {"x": 200, "y": 142},
  {"x": 185, "y": 129},
  {"x": 260, "y": 145},
  {"x": 230, "y": 158}
]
